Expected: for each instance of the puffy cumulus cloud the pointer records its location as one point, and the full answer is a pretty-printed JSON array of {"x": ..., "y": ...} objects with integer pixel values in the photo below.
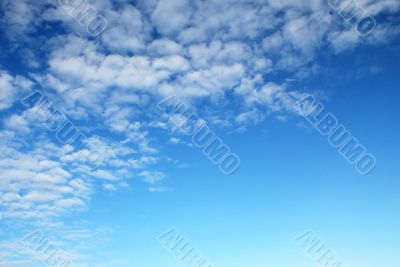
[
  {"x": 269, "y": 98},
  {"x": 87, "y": 73},
  {"x": 134, "y": 72},
  {"x": 343, "y": 40},
  {"x": 11, "y": 88},
  {"x": 217, "y": 53},
  {"x": 20, "y": 18},
  {"x": 305, "y": 34},
  {"x": 34, "y": 187},
  {"x": 70, "y": 244},
  {"x": 153, "y": 179},
  {"x": 164, "y": 47},
  {"x": 127, "y": 30},
  {"x": 47, "y": 179},
  {"x": 7, "y": 91},
  {"x": 171, "y": 16},
  {"x": 227, "y": 20},
  {"x": 17, "y": 123},
  {"x": 173, "y": 64},
  {"x": 376, "y": 7},
  {"x": 214, "y": 80}
]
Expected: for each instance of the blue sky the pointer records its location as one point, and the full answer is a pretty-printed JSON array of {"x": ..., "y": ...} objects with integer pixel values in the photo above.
[{"x": 241, "y": 66}]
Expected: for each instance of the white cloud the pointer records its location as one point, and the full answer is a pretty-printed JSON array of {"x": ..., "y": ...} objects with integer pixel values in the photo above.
[
  {"x": 175, "y": 141},
  {"x": 171, "y": 16},
  {"x": 252, "y": 116},
  {"x": 126, "y": 30},
  {"x": 152, "y": 177},
  {"x": 19, "y": 18},
  {"x": 158, "y": 189},
  {"x": 17, "y": 123},
  {"x": 165, "y": 47},
  {"x": 11, "y": 88},
  {"x": 172, "y": 63},
  {"x": 110, "y": 187},
  {"x": 344, "y": 40},
  {"x": 6, "y": 91}
]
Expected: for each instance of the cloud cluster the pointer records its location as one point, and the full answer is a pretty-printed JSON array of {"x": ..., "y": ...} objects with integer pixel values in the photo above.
[{"x": 11, "y": 88}]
